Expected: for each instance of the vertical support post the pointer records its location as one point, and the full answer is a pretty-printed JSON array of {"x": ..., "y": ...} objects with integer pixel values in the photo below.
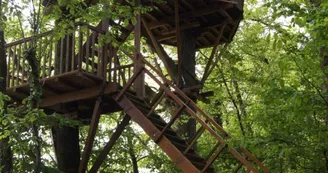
[
  {"x": 91, "y": 134},
  {"x": 178, "y": 36},
  {"x": 104, "y": 55},
  {"x": 139, "y": 84}
]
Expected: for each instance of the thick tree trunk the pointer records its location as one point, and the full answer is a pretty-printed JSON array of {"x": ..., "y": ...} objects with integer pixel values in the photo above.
[
  {"x": 5, "y": 150},
  {"x": 187, "y": 127},
  {"x": 67, "y": 149},
  {"x": 188, "y": 55}
]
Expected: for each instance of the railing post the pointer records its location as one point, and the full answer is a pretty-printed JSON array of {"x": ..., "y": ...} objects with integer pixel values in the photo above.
[{"x": 139, "y": 84}]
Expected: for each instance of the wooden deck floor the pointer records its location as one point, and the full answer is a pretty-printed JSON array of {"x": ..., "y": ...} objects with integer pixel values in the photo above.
[{"x": 71, "y": 93}]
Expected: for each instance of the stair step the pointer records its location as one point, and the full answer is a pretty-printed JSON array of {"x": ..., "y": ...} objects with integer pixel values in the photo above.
[
  {"x": 167, "y": 131},
  {"x": 194, "y": 157},
  {"x": 143, "y": 110},
  {"x": 133, "y": 97},
  {"x": 157, "y": 121},
  {"x": 179, "y": 145},
  {"x": 174, "y": 137},
  {"x": 140, "y": 105}
]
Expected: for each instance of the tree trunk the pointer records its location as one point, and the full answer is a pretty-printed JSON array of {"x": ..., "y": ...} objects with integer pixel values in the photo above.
[
  {"x": 132, "y": 154},
  {"x": 5, "y": 150},
  {"x": 324, "y": 65},
  {"x": 67, "y": 149},
  {"x": 188, "y": 55}
]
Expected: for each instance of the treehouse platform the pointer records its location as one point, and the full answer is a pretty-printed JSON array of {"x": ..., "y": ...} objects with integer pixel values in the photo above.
[{"x": 84, "y": 77}]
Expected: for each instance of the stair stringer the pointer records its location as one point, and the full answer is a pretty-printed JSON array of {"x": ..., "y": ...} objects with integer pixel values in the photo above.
[{"x": 165, "y": 144}]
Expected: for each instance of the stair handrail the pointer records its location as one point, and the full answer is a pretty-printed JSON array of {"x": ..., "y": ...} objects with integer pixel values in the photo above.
[
  {"x": 211, "y": 120},
  {"x": 203, "y": 123},
  {"x": 183, "y": 95}
]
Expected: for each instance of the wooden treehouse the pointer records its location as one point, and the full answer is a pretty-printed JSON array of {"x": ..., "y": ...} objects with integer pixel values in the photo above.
[{"x": 82, "y": 79}]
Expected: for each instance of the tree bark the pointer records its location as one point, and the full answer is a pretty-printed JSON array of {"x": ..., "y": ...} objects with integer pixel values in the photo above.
[
  {"x": 324, "y": 65},
  {"x": 132, "y": 155},
  {"x": 5, "y": 150},
  {"x": 67, "y": 149},
  {"x": 188, "y": 55},
  {"x": 241, "y": 104}
]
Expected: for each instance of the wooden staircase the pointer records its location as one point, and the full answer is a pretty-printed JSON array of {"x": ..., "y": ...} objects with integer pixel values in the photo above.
[{"x": 161, "y": 132}]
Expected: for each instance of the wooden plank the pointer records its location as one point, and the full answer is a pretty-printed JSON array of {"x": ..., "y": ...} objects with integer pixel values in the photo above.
[
  {"x": 254, "y": 159},
  {"x": 43, "y": 57},
  {"x": 99, "y": 60},
  {"x": 102, "y": 156},
  {"x": 176, "y": 115},
  {"x": 77, "y": 95},
  {"x": 73, "y": 60},
  {"x": 56, "y": 59},
  {"x": 178, "y": 35},
  {"x": 210, "y": 162},
  {"x": 184, "y": 96},
  {"x": 61, "y": 61},
  {"x": 18, "y": 64},
  {"x": 87, "y": 54},
  {"x": 8, "y": 68},
  {"x": 199, "y": 133},
  {"x": 52, "y": 78},
  {"x": 15, "y": 95},
  {"x": 188, "y": 109},
  {"x": 213, "y": 53},
  {"x": 214, "y": 8},
  {"x": 50, "y": 58},
  {"x": 157, "y": 48},
  {"x": 67, "y": 51},
  {"x": 13, "y": 67},
  {"x": 91, "y": 136},
  {"x": 80, "y": 49},
  {"x": 93, "y": 42},
  {"x": 165, "y": 144},
  {"x": 243, "y": 160}
]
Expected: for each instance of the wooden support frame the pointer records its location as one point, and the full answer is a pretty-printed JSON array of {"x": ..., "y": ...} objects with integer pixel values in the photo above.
[
  {"x": 176, "y": 115},
  {"x": 210, "y": 162},
  {"x": 140, "y": 81},
  {"x": 102, "y": 156},
  {"x": 179, "y": 46},
  {"x": 92, "y": 132},
  {"x": 199, "y": 133},
  {"x": 165, "y": 144},
  {"x": 157, "y": 48},
  {"x": 214, "y": 50}
]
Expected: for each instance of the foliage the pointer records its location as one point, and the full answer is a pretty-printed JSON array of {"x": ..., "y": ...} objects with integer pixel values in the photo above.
[{"x": 268, "y": 90}]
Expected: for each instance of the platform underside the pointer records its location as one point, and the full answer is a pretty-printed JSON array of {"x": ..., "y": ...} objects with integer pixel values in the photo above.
[
  {"x": 204, "y": 18},
  {"x": 73, "y": 93}
]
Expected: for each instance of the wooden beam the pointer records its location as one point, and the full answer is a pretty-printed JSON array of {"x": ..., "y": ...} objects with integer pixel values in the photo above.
[
  {"x": 157, "y": 48},
  {"x": 77, "y": 95},
  {"x": 191, "y": 14},
  {"x": 102, "y": 156},
  {"x": 214, "y": 50},
  {"x": 139, "y": 84},
  {"x": 92, "y": 131},
  {"x": 179, "y": 46}
]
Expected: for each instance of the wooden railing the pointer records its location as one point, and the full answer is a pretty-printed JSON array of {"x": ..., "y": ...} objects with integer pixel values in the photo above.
[{"x": 80, "y": 50}]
